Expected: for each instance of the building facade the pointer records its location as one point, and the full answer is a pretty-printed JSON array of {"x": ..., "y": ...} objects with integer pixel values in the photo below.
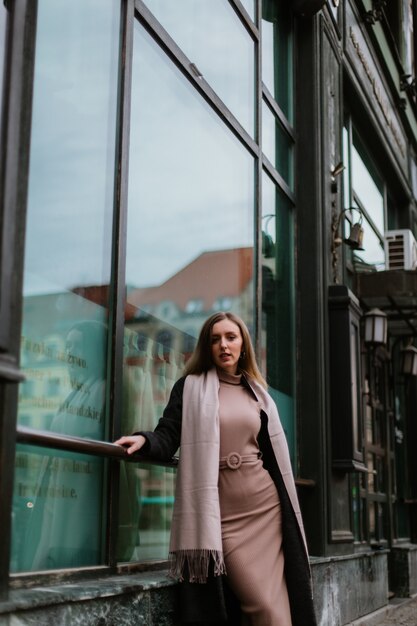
[{"x": 162, "y": 161}]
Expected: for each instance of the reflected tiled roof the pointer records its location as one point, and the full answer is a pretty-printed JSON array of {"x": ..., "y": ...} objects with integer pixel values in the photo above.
[{"x": 212, "y": 275}]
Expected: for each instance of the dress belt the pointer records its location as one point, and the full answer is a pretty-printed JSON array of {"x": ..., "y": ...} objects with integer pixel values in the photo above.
[{"x": 234, "y": 460}]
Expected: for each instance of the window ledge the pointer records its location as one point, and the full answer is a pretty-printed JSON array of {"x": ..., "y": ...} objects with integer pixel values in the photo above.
[{"x": 103, "y": 587}]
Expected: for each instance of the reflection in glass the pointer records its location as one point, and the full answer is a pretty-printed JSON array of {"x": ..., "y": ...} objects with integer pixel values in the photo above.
[
  {"x": 346, "y": 171},
  {"x": 57, "y": 510},
  {"x": 367, "y": 191},
  {"x": 191, "y": 198},
  {"x": 278, "y": 303},
  {"x": 373, "y": 256},
  {"x": 72, "y": 155},
  {"x": 67, "y": 272},
  {"x": 250, "y": 7},
  {"x": 211, "y": 35},
  {"x": 277, "y": 54},
  {"x": 276, "y": 144},
  {"x": 146, "y": 501},
  {"x": 189, "y": 247}
]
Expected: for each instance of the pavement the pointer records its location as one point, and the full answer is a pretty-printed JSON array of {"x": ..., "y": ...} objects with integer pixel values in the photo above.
[{"x": 399, "y": 612}]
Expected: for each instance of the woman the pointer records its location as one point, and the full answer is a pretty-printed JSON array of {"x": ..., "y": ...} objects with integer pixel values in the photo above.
[{"x": 236, "y": 509}]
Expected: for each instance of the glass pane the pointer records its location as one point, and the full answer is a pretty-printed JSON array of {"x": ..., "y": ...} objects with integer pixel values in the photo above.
[
  {"x": 250, "y": 7},
  {"x": 277, "y": 53},
  {"x": 373, "y": 256},
  {"x": 146, "y": 502},
  {"x": 57, "y": 510},
  {"x": 367, "y": 191},
  {"x": 68, "y": 248},
  {"x": 211, "y": 35},
  {"x": 277, "y": 145},
  {"x": 278, "y": 303},
  {"x": 190, "y": 221},
  {"x": 346, "y": 171},
  {"x": 191, "y": 204}
]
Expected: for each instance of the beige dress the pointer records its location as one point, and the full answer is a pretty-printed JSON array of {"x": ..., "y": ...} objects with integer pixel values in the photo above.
[{"x": 250, "y": 513}]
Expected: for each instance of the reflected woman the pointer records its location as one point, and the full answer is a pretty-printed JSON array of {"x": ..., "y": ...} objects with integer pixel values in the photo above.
[{"x": 65, "y": 525}]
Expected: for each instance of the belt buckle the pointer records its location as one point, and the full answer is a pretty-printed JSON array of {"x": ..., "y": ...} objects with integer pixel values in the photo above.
[{"x": 233, "y": 460}]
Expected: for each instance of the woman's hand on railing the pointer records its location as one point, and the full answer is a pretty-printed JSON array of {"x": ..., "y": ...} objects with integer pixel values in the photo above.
[{"x": 132, "y": 443}]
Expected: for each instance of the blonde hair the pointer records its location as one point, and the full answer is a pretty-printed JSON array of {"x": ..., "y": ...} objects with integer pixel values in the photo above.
[{"x": 201, "y": 360}]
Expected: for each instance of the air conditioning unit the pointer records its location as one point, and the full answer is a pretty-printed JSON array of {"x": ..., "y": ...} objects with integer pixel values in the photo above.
[{"x": 400, "y": 250}]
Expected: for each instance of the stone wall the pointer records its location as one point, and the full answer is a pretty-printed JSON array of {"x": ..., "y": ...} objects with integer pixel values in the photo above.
[
  {"x": 403, "y": 570},
  {"x": 345, "y": 588}
]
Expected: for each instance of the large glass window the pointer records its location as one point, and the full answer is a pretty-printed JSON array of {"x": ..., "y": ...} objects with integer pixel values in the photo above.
[
  {"x": 212, "y": 36},
  {"x": 176, "y": 236},
  {"x": 58, "y": 501},
  {"x": 190, "y": 221}
]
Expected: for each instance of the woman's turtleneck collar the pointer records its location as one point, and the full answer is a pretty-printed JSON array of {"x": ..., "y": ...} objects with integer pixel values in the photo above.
[{"x": 226, "y": 377}]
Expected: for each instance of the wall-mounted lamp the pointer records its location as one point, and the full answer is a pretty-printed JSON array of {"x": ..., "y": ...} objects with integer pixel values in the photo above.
[
  {"x": 334, "y": 173},
  {"x": 376, "y": 327},
  {"x": 409, "y": 360},
  {"x": 355, "y": 239}
]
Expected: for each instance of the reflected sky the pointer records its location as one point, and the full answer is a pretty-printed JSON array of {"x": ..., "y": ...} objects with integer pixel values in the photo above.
[
  {"x": 190, "y": 180},
  {"x": 367, "y": 190},
  {"x": 71, "y": 179},
  {"x": 373, "y": 252},
  {"x": 211, "y": 35}
]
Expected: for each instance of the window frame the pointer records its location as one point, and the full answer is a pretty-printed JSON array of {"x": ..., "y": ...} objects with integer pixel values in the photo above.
[{"x": 19, "y": 81}]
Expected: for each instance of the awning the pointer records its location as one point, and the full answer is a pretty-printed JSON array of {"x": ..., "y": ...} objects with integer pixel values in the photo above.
[{"x": 395, "y": 293}]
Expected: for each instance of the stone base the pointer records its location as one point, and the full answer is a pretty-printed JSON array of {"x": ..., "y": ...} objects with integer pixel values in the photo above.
[
  {"x": 345, "y": 588},
  {"x": 403, "y": 570},
  {"x": 132, "y": 600}
]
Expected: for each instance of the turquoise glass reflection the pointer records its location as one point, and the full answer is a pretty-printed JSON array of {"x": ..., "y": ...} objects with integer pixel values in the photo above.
[
  {"x": 57, "y": 510},
  {"x": 277, "y": 54},
  {"x": 67, "y": 274},
  {"x": 212, "y": 36},
  {"x": 189, "y": 253},
  {"x": 277, "y": 145},
  {"x": 278, "y": 304}
]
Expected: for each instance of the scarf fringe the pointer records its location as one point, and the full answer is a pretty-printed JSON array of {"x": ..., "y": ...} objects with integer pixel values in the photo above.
[{"x": 197, "y": 563}]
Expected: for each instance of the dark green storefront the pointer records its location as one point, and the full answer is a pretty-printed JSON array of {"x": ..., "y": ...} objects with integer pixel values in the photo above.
[{"x": 161, "y": 162}]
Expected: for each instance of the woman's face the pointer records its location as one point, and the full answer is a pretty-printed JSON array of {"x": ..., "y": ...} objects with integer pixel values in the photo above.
[{"x": 226, "y": 345}]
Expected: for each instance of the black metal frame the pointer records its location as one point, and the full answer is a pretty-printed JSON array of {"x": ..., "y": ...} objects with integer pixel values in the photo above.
[
  {"x": 16, "y": 118},
  {"x": 15, "y": 135}
]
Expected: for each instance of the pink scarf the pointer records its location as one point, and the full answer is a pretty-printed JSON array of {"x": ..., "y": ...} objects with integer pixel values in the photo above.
[{"x": 196, "y": 536}]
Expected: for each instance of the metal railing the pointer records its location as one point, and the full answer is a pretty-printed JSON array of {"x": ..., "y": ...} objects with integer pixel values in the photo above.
[
  {"x": 48, "y": 439},
  {"x": 105, "y": 449}
]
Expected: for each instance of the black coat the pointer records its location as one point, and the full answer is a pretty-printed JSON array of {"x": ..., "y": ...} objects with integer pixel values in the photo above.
[{"x": 213, "y": 603}]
